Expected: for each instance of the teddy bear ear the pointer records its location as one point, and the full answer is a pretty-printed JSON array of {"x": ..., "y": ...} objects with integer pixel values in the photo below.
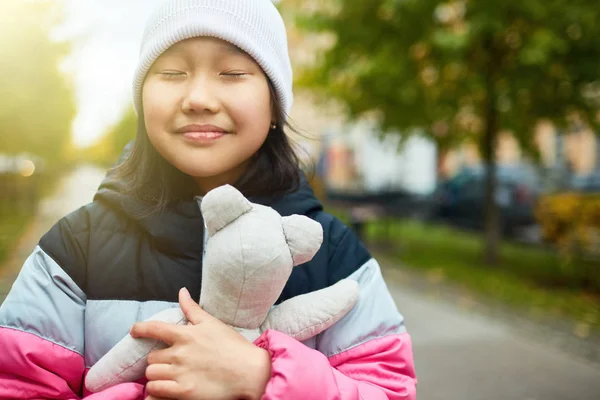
[
  {"x": 304, "y": 237},
  {"x": 222, "y": 206}
]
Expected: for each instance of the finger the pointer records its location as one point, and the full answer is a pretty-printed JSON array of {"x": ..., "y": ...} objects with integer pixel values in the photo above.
[
  {"x": 164, "y": 356},
  {"x": 192, "y": 310},
  {"x": 156, "y": 398},
  {"x": 168, "y": 389},
  {"x": 155, "y": 330},
  {"x": 160, "y": 372}
]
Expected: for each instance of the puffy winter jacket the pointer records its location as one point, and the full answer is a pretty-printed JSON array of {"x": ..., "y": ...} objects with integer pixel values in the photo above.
[{"x": 99, "y": 270}]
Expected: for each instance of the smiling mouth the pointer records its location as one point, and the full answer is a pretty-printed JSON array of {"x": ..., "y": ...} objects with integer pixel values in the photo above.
[{"x": 203, "y": 137}]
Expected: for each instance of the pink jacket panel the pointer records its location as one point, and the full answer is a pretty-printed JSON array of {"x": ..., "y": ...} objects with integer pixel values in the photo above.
[
  {"x": 381, "y": 368},
  {"x": 35, "y": 368}
]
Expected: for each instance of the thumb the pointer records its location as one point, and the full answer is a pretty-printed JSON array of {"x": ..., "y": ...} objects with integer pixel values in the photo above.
[{"x": 192, "y": 310}]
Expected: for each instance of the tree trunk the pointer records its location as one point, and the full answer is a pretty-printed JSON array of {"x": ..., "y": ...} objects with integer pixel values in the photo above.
[{"x": 489, "y": 145}]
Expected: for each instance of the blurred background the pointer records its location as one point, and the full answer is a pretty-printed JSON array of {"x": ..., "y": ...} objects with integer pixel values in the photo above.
[{"x": 459, "y": 139}]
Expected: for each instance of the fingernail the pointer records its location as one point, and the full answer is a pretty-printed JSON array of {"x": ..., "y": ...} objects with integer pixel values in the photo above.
[
  {"x": 185, "y": 293},
  {"x": 132, "y": 331}
]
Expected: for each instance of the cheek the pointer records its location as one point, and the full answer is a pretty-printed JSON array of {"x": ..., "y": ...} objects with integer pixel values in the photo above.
[
  {"x": 251, "y": 111},
  {"x": 157, "y": 108}
]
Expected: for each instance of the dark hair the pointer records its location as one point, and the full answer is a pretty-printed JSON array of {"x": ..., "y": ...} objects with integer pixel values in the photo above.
[{"x": 273, "y": 171}]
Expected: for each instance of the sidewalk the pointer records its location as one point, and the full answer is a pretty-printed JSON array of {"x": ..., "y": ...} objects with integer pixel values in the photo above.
[{"x": 465, "y": 350}]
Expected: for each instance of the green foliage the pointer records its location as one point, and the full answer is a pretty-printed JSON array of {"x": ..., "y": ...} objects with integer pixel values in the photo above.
[
  {"x": 37, "y": 106},
  {"x": 107, "y": 151},
  {"x": 459, "y": 69},
  {"x": 13, "y": 225},
  {"x": 571, "y": 221},
  {"x": 435, "y": 64}
]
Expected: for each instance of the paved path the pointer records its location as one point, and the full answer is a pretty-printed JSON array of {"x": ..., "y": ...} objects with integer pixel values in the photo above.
[{"x": 460, "y": 354}]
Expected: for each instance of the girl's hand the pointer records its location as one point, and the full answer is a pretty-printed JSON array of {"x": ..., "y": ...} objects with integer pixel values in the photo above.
[{"x": 206, "y": 360}]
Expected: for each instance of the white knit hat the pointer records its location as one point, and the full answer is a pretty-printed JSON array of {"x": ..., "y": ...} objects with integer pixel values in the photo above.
[{"x": 255, "y": 26}]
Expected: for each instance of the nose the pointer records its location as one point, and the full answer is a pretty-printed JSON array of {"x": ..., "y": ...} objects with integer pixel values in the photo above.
[{"x": 201, "y": 97}]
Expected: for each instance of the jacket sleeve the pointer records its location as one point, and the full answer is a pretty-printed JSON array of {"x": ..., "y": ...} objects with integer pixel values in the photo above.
[
  {"x": 42, "y": 336},
  {"x": 366, "y": 355}
]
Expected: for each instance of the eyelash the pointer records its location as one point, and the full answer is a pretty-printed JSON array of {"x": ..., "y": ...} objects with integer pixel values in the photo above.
[
  {"x": 235, "y": 75},
  {"x": 171, "y": 75}
]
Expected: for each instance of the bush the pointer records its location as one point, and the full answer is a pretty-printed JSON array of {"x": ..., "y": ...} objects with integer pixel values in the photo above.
[
  {"x": 12, "y": 225},
  {"x": 19, "y": 193},
  {"x": 571, "y": 222}
]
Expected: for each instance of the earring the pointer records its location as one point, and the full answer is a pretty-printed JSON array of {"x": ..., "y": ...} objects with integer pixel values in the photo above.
[{"x": 273, "y": 126}]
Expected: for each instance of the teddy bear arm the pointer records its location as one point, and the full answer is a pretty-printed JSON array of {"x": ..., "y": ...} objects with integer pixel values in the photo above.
[
  {"x": 126, "y": 361},
  {"x": 305, "y": 316}
]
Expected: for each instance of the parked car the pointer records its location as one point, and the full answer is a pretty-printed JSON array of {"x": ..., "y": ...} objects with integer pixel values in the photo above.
[
  {"x": 586, "y": 183},
  {"x": 460, "y": 200}
]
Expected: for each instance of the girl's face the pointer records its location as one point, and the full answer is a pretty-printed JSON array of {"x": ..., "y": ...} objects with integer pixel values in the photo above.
[{"x": 207, "y": 109}]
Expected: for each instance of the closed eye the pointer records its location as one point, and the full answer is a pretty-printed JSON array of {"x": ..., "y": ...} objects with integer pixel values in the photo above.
[
  {"x": 169, "y": 75},
  {"x": 234, "y": 74}
]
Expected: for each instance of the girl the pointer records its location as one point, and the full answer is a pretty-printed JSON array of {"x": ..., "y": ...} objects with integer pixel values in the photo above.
[{"x": 212, "y": 91}]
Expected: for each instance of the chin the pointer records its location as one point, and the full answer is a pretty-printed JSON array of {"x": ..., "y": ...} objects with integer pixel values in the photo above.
[{"x": 201, "y": 171}]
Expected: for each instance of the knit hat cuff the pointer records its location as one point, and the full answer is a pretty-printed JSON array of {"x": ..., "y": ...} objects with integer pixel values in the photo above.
[{"x": 214, "y": 22}]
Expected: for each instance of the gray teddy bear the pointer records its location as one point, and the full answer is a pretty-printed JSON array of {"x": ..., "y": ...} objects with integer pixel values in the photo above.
[{"x": 250, "y": 254}]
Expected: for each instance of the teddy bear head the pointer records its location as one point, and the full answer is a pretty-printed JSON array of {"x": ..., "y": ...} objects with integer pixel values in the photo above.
[{"x": 250, "y": 255}]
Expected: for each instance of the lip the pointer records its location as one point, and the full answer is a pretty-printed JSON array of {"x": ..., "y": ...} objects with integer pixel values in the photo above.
[
  {"x": 201, "y": 128},
  {"x": 202, "y": 138},
  {"x": 202, "y": 134}
]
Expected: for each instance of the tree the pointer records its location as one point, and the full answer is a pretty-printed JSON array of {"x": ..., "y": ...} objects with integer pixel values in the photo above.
[
  {"x": 37, "y": 106},
  {"x": 459, "y": 69}
]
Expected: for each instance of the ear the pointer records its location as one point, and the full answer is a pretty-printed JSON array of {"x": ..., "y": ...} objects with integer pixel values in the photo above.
[
  {"x": 304, "y": 237},
  {"x": 222, "y": 206}
]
